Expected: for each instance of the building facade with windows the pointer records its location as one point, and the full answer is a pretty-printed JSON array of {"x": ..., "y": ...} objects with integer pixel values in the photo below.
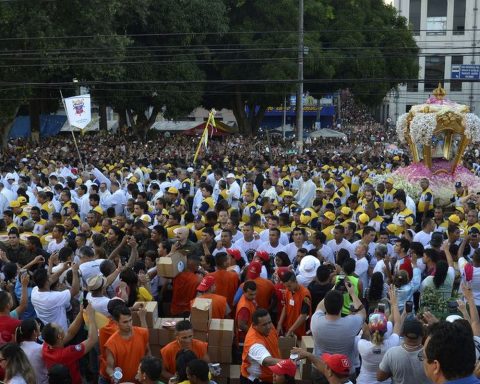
[{"x": 447, "y": 35}]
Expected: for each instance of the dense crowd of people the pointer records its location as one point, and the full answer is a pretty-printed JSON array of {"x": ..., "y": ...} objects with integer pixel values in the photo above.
[{"x": 285, "y": 244}]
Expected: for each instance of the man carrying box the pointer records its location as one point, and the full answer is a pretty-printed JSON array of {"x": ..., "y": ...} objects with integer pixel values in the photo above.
[
  {"x": 260, "y": 350},
  {"x": 297, "y": 308},
  {"x": 184, "y": 287},
  {"x": 184, "y": 340},
  {"x": 206, "y": 290}
]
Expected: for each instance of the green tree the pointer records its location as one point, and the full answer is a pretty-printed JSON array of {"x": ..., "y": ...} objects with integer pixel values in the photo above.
[{"x": 348, "y": 42}]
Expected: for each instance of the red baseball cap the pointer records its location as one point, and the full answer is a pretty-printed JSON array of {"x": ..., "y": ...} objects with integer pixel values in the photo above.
[
  {"x": 263, "y": 255},
  {"x": 254, "y": 269},
  {"x": 340, "y": 364},
  {"x": 284, "y": 367},
  {"x": 235, "y": 253},
  {"x": 206, "y": 283},
  {"x": 281, "y": 271}
]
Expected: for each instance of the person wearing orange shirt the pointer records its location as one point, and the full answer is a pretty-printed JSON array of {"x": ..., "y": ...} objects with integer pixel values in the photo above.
[
  {"x": 260, "y": 350},
  {"x": 297, "y": 309},
  {"x": 104, "y": 334},
  {"x": 206, "y": 290},
  {"x": 245, "y": 308},
  {"x": 184, "y": 287},
  {"x": 226, "y": 282},
  {"x": 183, "y": 340},
  {"x": 126, "y": 347},
  {"x": 265, "y": 289}
]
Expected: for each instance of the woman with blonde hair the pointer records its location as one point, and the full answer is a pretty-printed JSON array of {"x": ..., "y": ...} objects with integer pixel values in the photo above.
[
  {"x": 18, "y": 369},
  {"x": 377, "y": 338}
]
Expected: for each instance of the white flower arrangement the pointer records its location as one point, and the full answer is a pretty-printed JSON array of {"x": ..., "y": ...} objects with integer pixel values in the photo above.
[
  {"x": 402, "y": 127},
  {"x": 472, "y": 127},
  {"x": 422, "y": 127}
]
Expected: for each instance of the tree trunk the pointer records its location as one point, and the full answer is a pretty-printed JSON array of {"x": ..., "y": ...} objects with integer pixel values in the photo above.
[
  {"x": 240, "y": 115},
  {"x": 5, "y": 129},
  {"x": 34, "y": 112},
  {"x": 102, "y": 112},
  {"x": 143, "y": 124}
]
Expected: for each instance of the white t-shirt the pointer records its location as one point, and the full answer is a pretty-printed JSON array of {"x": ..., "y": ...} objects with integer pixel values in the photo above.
[
  {"x": 272, "y": 251},
  {"x": 345, "y": 244},
  {"x": 291, "y": 249},
  {"x": 256, "y": 355},
  {"x": 361, "y": 270},
  {"x": 51, "y": 306},
  {"x": 17, "y": 379},
  {"x": 327, "y": 253},
  {"x": 90, "y": 269},
  {"x": 423, "y": 238},
  {"x": 371, "y": 358},
  {"x": 264, "y": 236},
  {"x": 99, "y": 303},
  {"x": 53, "y": 246},
  {"x": 247, "y": 248},
  {"x": 33, "y": 351}
]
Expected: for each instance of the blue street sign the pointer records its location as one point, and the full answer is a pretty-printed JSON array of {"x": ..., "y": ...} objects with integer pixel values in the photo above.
[{"x": 466, "y": 72}]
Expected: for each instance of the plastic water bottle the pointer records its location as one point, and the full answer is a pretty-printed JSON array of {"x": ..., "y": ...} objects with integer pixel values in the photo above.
[{"x": 117, "y": 375}]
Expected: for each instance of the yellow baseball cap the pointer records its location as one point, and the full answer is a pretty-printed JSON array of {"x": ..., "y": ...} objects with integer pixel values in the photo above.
[
  {"x": 22, "y": 200},
  {"x": 409, "y": 220},
  {"x": 394, "y": 228},
  {"x": 454, "y": 219},
  {"x": 346, "y": 210},
  {"x": 329, "y": 215},
  {"x": 98, "y": 209},
  {"x": 460, "y": 209},
  {"x": 146, "y": 218},
  {"x": 133, "y": 179},
  {"x": 363, "y": 218},
  {"x": 389, "y": 180},
  {"x": 172, "y": 190},
  {"x": 14, "y": 204},
  {"x": 287, "y": 193}
]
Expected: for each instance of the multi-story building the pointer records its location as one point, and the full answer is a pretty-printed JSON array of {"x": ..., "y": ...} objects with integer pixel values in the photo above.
[{"x": 446, "y": 33}]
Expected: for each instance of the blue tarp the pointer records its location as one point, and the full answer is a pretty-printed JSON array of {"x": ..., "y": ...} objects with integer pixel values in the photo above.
[{"x": 50, "y": 125}]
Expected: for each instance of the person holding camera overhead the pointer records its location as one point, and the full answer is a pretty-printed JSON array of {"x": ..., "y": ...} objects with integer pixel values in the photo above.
[{"x": 327, "y": 324}]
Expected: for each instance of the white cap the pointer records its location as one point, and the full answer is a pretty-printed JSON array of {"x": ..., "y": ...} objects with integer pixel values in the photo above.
[
  {"x": 9, "y": 176},
  {"x": 189, "y": 169},
  {"x": 24, "y": 160},
  {"x": 230, "y": 175}
]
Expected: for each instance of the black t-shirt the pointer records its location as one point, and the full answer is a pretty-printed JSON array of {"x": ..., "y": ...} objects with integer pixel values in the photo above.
[{"x": 318, "y": 292}]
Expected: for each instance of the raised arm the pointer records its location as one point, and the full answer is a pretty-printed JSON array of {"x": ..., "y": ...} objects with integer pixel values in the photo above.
[{"x": 22, "y": 306}]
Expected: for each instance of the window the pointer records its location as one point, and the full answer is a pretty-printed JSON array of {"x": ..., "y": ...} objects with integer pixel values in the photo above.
[
  {"x": 434, "y": 72},
  {"x": 414, "y": 16},
  {"x": 437, "y": 17},
  {"x": 459, "y": 17},
  {"x": 456, "y": 85}
]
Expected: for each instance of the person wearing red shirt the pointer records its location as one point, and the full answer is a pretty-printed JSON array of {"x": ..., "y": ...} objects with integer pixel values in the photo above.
[
  {"x": 8, "y": 324},
  {"x": 226, "y": 282},
  {"x": 183, "y": 340},
  {"x": 297, "y": 309},
  {"x": 206, "y": 290},
  {"x": 126, "y": 347},
  {"x": 245, "y": 308},
  {"x": 54, "y": 350},
  {"x": 184, "y": 287}
]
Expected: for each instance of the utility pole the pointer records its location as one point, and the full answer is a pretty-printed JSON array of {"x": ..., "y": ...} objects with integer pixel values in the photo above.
[{"x": 299, "y": 102}]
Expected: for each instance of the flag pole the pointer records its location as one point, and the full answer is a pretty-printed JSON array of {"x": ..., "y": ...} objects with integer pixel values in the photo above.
[
  {"x": 73, "y": 135},
  {"x": 205, "y": 132}
]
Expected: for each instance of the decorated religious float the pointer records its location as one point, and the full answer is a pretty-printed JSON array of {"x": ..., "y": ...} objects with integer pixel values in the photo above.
[{"x": 437, "y": 133}]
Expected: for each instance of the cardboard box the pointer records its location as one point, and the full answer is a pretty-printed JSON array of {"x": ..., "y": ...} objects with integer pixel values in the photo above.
[
  {"x": 200, "y": 335},
  {"x": 220, "y": 354},
  {"x": 151, "y": 315},
  {"x": 172, "y": 265},
  {"x": 307, "y": 343},
  {"x": 220, "y": 332},
  {"x": 201, "y": 314},
  {"x": 234, "y": 374},
  {"x": 166, "y": 334},
  {"x": 285, "y": 344}
]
